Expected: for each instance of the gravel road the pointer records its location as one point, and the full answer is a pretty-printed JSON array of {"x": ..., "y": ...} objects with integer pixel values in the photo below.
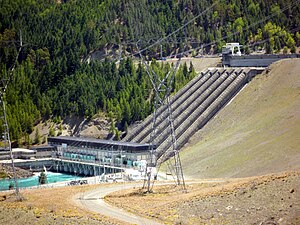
[{"x": 94, "y": 201}]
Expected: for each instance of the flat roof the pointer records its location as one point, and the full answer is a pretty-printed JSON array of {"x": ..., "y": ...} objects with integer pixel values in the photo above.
[
  {"x": 22, "y": 150},
  {"x": 41, "y": 147},
  {"x": 77, "y": 141}
]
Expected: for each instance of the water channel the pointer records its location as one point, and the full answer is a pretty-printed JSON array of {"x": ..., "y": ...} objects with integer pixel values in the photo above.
[{"x": 33, "y": 181}]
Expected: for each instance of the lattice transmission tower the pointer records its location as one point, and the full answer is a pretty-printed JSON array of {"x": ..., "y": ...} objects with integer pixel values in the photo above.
[
  {"x": 162, "y": 88},
  {"x": 5, "y": 137}
]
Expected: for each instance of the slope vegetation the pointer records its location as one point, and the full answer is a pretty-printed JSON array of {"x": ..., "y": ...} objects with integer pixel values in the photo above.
[{"x": 256, "y": 133}]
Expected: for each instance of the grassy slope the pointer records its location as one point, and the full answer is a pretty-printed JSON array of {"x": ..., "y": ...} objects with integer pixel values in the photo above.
[{"x": 257, "y": 133}]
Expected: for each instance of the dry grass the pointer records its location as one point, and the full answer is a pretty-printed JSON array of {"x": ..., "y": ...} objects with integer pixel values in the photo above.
[
  {"x": 54, "y": 204},
  {"x": 171, "y": 205}
]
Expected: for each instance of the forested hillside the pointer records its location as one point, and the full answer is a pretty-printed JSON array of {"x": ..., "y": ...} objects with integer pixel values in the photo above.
[{"x": 53, "y": 79}]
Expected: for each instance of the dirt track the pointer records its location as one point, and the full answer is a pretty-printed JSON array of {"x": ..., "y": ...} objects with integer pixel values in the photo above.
[{"x": 94, "y": 201}]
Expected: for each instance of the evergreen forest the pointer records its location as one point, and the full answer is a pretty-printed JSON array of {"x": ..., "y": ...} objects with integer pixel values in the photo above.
[{"x": 56, "y": 76}]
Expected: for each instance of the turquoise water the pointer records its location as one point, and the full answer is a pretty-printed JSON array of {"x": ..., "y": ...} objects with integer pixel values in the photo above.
[{"x": 33, "y": 181}]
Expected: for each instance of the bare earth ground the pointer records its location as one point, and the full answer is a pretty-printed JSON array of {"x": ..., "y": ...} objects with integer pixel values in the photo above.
[
  {"x": 48, "y": 206},
  {"x": 198, "y": 63},
  {"x": 271, "y": 199}
]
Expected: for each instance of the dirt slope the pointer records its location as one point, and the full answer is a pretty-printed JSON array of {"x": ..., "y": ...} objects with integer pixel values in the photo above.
[
  {"x": 257, "y": 133},
  {"x": 198, "y": 63}
]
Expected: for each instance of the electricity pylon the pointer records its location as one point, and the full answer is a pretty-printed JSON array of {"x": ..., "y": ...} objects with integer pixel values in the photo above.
[
  {"x": 162, "y": 89},
  {"x": 5, "y": 129}
]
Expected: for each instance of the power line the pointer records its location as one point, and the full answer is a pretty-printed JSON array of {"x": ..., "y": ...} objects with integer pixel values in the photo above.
[
  {"x": 238, "y": 32},
  {"x": 267, "y": 39},
  {"x": 6, "y": 127},
  {"x": 159, "y": 41},
  {"x": 174, "y": 32}
]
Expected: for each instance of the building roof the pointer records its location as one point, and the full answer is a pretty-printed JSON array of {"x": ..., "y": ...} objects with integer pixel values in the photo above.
[
  {"x": 83, "y": 141},
  {"x": 42, "y": 147},
  {"x": 24, "y": 150}
]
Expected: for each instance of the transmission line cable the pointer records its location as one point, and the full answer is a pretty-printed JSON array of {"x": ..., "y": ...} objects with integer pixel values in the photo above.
[
  {"x": 176, "y": 31},
  {"x": 244, "y": 29},
  {"x": 6, "y": 132}
]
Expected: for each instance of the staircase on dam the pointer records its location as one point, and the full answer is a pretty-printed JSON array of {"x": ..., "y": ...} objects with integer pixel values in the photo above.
[{"x": 192, "y": 107}]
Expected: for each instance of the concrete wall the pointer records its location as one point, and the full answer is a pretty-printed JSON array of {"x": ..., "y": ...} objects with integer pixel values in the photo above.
[
  {"x": 66, "y": 166},
  {"x": 254, "y": 60},
  {"x": 34, "y": 165}
]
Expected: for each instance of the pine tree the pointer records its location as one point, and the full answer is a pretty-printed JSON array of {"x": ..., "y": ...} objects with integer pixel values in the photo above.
[
  {"x": 37, "y": 139},
  {"x": 51, "y": 132},
  {"x": 42, "y": 178}
]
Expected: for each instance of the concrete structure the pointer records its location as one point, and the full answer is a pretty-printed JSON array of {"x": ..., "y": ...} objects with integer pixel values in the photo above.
[
  {"x": 64, "y": 166},
  {"x": 35, "y": 165},
  {"x": 84, "y": 168},
  {"x": 104, "y": 152},
  {"x": 82, "y": 156},
  {"x": 232, "y": 49},
  {"x": 193, "y": 106},
  {"x": 18, "y": 153},
  {"x": 44, "y": 151},
  {"x": 253, "y": 60},
  {"x": 231, "y": 56}
]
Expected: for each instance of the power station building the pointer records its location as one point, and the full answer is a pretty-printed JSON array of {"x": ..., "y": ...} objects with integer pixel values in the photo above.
[{"x": 106, "y": 152}]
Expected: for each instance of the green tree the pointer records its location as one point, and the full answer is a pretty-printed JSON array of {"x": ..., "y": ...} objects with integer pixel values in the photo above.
[
  {"x": 112, "y": 128},
  {"x": 293, "y": 49},
  {"x": 11, "y": 186},
  {"x": 126, "y": 127},
  {"x": 118, "y": 135},
  {"x": 42, "y": 178},
  {"x": 51, "y": 132},
  {"x": 37, "y": 138}
]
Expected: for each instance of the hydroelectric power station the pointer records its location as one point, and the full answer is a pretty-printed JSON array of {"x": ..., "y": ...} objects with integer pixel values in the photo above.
[
  {"x": 87, "y": 156},
  {"x": 192, "y": 107}
]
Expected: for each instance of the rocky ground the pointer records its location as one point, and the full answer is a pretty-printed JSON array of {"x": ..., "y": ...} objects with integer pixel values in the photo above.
[
  {"x": 96, "y": 127},
  {"x": 271, "y": 199},
  {"x": 7, "y": 172},
  {"x": 15, "y": 215}
]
